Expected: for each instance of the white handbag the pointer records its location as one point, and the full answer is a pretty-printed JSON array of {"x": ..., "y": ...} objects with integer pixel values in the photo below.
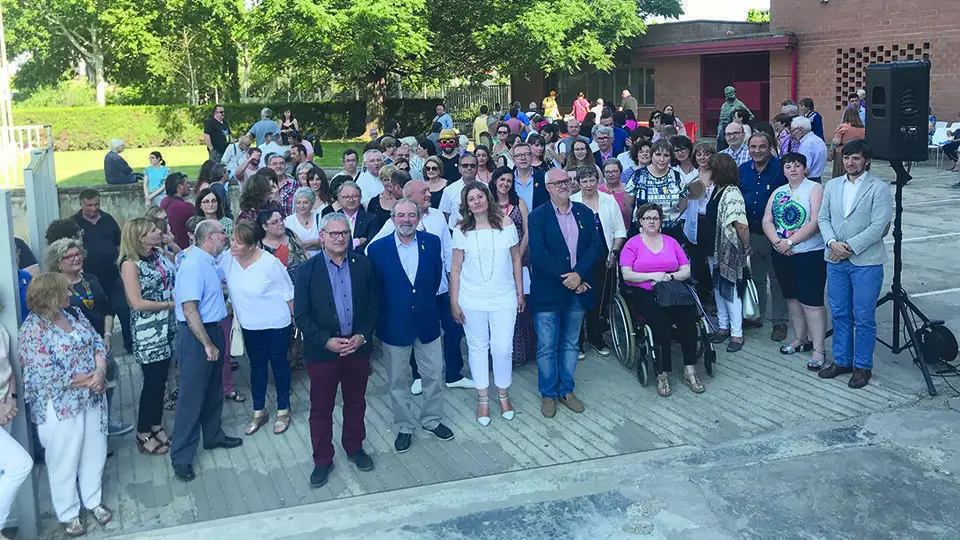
[
  {"x": 236, "y": 338},
  {"x": 751, "y": 300}
]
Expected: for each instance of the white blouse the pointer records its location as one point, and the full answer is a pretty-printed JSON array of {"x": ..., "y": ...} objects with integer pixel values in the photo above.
[
  {"x": 260, "y": 292},
  {"x": 305, "y": 234},
  {"x": 486, "y": 276}
]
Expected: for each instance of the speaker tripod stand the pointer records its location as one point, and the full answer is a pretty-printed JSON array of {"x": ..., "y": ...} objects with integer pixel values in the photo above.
[{"x": 904, "y": 310}]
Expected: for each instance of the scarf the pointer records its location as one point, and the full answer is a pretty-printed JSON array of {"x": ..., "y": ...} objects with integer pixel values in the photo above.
[{"x": 730, "y": 255}]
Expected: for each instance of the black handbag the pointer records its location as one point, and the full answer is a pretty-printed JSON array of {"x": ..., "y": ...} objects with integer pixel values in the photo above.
[{"x": 673, "y": 293}]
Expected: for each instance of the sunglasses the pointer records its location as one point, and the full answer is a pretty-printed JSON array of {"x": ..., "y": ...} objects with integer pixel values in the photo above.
[{"x": 431, "y": 168}]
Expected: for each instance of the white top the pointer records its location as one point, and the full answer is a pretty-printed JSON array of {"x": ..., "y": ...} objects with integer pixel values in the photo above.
[
  {"x": 850, "y": 189},
  {"x": 305, "y": 233},
  {"x": 625, "y": 160},
  {"x": 450, "y": 202},
  {"x": 370, "y": 187},
  {"x": 610, "y": 216},
  {"x": 792, "y": 210},
  {"x": 486, "y": 276},
  {"x": 260, "y": 293},
  {"x": 434, "y": 223}
]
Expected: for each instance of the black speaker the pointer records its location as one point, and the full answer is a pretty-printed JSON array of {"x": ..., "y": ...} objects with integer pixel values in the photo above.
[{"x": 898, "y": 102}]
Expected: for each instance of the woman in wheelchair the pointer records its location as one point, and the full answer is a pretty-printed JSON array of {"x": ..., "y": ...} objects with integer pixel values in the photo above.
[{"x": 647, "y": 259}]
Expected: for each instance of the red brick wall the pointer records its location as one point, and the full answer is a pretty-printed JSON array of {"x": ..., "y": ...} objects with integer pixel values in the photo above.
[
  {"x": 823, "y": 28},
  {"x": 677, "y": 83}
]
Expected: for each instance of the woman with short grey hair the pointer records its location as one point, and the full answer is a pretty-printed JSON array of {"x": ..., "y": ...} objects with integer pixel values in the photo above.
[
  {"x": 304, "y": 221},
  {"x": 116, "y": 170}
]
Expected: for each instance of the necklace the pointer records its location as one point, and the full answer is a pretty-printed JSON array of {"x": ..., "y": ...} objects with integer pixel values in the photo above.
[
  {"x": 157, "y": 264},
  {"x": 486, "y": 276},
  {"x": 87, "y": 296}
]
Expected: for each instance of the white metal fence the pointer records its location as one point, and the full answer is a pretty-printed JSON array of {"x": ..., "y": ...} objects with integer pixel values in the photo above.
[
  {"x": 17, "y": 145},
  {"x": 40, "y": 190}
]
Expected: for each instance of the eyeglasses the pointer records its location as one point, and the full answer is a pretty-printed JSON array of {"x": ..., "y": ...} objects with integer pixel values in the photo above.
[
  {"x": 502, "y": 132},
  {"x": 350, "y": 197},
  {"x": 560, "y": 183},
  {"x": 73, "y": 256},
  {"x": 522, "y": 155},
  {"x": 337, "y": 234},
  {"x": 220, "y": 111},
  {"x": 650, "y": 219},
  {"x": 469, "y": 165}
]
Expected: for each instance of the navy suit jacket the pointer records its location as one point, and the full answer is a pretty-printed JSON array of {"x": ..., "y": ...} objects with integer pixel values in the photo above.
[
  {"x": 540, "y": 193},
  {"x": 408, "y": 311},
  {"x": 550, "y": 259}
]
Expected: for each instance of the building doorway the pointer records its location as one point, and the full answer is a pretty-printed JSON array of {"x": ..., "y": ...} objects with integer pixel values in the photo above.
[{"x": 749, "y": 73}]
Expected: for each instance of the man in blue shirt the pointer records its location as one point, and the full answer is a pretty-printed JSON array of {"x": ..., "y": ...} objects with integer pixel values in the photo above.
[
  {"x": 620, "y": 135},
  {"x": 759, "y": 178},
  {"x": 198, "y": 296},
  {"x": 444, "y": 118}
]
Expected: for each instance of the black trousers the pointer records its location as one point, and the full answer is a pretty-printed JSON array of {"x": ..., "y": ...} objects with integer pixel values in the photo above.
[
  {"x": 661, "y": 321},
  {"x": 151, "y": 397},
  {"x": 950, "y": 149},
  {"x": 118, "y": 301},
  {"x": 595, "y": 318},
  {"x": 201, "y": 394}
]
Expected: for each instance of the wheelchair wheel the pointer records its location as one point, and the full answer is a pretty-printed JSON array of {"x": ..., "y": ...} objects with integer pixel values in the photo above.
[
  {"x": 646, "y": 355},
  {"x": 643, "y": 371},
  {"x": 704, "y": 345},
  {"x": 622, "y": 332}
]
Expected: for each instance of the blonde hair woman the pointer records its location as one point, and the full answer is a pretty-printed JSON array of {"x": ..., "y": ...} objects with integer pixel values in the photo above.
[
  {"x": 433, "y": 175},
  {"x": 148, "y": 277},
  {"x": 64, "y": 377}
]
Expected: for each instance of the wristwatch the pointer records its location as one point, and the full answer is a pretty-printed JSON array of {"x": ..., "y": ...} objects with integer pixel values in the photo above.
[{"x": 789, "y": 242}]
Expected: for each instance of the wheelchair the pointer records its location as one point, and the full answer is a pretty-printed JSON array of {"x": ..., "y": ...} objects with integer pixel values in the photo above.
[{"x": 633, "y": 339}]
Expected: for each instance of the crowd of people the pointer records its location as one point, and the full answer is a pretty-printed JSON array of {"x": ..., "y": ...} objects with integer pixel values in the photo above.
[{"x": 513, "y": 241}]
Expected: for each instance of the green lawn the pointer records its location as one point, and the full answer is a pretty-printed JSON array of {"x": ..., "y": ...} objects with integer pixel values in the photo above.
[{"x": 85, "y": 167}]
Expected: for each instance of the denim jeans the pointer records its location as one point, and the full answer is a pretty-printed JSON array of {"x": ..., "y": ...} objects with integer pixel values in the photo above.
[
  {"x": 557, "y": 350},
  {"x": 853, "y": 292}
]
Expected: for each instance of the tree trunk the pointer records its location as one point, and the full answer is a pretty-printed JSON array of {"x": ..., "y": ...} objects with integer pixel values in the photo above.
[
  {"x": 377, "y": 95},
  {"x": 98, "y": 80}
]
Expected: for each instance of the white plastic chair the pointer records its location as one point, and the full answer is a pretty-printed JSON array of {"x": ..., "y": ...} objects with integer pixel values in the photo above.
[
  {"x": 939, "y": 139},
  {"x": 954, "y": 127},
  {"x": 941, "y": 125}
]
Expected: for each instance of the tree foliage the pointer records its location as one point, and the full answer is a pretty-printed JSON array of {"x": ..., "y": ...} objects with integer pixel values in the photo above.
[{"x": 758, "y": 15}]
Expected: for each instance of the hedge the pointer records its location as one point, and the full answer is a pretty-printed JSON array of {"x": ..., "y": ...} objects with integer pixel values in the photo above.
[{"x": 140, "y": 126}]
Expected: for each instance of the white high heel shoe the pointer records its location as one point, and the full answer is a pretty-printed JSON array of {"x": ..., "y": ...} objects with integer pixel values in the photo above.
[
  {"x": 484, "y": 420},
  {"x": 507, "y": 415}
]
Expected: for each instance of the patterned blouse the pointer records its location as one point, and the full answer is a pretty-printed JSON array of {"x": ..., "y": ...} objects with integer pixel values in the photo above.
[
  {"x": 153, "y": 331},
  {"x": 50, "y": 357}
]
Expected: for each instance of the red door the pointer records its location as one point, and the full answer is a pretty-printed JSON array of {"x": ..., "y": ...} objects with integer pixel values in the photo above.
[{"x": 749, "y": 73}]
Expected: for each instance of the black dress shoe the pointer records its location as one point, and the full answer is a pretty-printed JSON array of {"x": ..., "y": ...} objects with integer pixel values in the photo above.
[
  {"x": 362, "y": 460},
  {"x": 226, "y": 442},
  {"x": 833, "y": 370},
  {"x": 320, "y": 474},
  {"x": 442, "y": 432},
  {"x": 402, "y": 444},
  {"x": 860, "y": 378},
  {"x": 184, "y": 473}
]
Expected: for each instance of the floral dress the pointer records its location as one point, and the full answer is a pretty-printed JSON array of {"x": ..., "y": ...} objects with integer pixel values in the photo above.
[
  {"x": 50, "y": 357},
  {"x": 153, "y": 331},
  {"x": 524, "y": 338}
]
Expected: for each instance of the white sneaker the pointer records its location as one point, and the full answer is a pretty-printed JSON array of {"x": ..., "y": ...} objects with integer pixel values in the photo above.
[
  {"x": 464, "y": 382},
  {"x": 581, "y": 355},
  {"x": 417, "y": 387}
]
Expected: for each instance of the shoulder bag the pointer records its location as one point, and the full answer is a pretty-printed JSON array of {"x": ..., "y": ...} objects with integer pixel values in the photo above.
[
  {"x": 751, "y": 300},
  {"x": 673, "y": 293}
]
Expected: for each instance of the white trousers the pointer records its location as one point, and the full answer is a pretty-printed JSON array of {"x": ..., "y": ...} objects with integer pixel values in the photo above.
[
  {"x": 15, "y": 466},
  {"x": 490, "y": 333},
  {"x": 76, "y": 452},
  {"x": 729, "y": 314}
]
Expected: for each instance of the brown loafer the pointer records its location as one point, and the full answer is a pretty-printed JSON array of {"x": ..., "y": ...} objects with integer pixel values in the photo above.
[
  {"x": 833, "y": 370},
  {"x": 573, "y": 403},
  {"x": 779, "y": 332},
  {"x": 548, "y": 407},
  {"x": 860, "y": 378}
]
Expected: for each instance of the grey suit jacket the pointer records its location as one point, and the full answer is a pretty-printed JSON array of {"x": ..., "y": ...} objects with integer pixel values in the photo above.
[{"x": 869, "y": 221}]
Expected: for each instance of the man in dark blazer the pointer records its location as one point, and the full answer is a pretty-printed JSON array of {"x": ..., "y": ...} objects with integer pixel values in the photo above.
[
  {"x": 410, "y": 267},
  {"x": 335, "y": 306},
  {"x": 362, "y": 223},
  {"x": 564, "y": 245}
]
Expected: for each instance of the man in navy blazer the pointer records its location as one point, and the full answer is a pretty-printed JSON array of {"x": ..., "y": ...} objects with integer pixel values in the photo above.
[
  {"x": 410, "y": 269},
  {"x": 564, "y": 245}
]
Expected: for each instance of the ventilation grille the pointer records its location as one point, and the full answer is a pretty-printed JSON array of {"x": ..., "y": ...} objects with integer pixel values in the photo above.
[{"x": 851, "y": 67}]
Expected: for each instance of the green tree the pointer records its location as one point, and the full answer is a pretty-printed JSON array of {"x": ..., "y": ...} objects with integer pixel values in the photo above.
[{"x": 758, "y": 15}]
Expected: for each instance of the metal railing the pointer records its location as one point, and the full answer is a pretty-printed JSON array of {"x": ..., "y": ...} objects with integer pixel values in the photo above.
[
  {"x": 17, "y": 145},
  {"x": 40, "y": 190}
]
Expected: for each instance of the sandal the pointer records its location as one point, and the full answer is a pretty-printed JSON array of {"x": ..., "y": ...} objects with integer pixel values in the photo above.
[
  {"x": 156, "y": 449},
  {"x": 690, "y": 379},
  {"x": 74, "y": 528},
  {"x": 259, "y": 419},
  {"x": 663, "y": 385},
  {"x": 719, "y": 336},
  {"x": 164, "y": 440},
  {"x": 235, "y": 396},
  {"x": 795, "y": 346},
  {"x": 814, "y": 364},
  {"x": 483, "y": 402},
  {"x": 171, "y": 402},
  {"x": 508, "y": 412},
  {"x": 102, "y": 514},
  {"x": 282, "y": 423}
]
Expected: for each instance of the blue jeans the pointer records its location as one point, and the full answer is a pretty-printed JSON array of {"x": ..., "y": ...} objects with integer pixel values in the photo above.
[
  {"x": 452, "y": 337},
  {"x": 557, "y": 336},
  {"x": 853, "y": 292}
]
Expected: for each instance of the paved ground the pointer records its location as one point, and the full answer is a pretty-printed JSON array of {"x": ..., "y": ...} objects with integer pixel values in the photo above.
[{"x": 593, "y": 470}]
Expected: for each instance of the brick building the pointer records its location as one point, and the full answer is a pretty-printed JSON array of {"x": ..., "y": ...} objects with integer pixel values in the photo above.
[{"x": 810, "y": 48}]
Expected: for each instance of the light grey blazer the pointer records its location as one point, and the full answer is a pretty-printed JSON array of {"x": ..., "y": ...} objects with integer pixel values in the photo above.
[{"x": 869, "y": 221}]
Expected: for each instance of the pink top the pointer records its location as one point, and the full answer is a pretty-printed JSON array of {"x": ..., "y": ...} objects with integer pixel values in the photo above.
[
  {"x": 581, "y": 106},
  {"x": 624, "y": 210},
  {"x": 568, "y": 227},
  {"x": 638, "y": 257}
]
